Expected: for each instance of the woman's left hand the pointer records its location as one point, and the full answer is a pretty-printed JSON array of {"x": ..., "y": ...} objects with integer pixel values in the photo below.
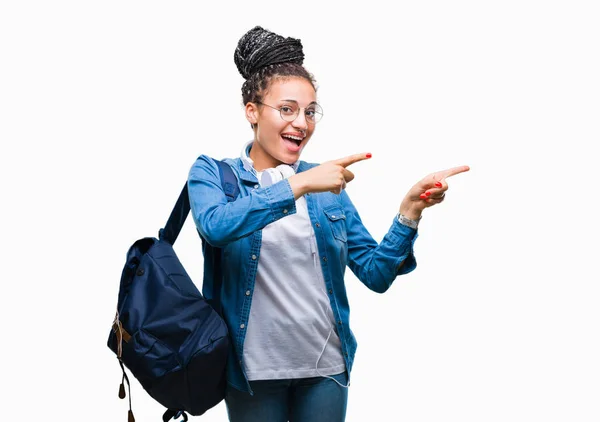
[{"x": 431, "y": 190}]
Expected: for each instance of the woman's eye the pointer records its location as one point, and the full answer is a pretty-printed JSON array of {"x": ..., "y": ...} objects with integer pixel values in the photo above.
[
  {"x": 310, "y": 113},
  {"x": 287, "y": 110}
]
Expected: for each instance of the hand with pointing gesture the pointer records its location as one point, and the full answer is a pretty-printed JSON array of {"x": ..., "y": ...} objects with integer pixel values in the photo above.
[
  {"x": 430, "y": 191},
  {"x": 331, "y": 176}
]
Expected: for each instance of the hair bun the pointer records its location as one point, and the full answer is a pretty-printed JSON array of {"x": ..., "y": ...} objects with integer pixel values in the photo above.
[{"x": 259, "y": 48}]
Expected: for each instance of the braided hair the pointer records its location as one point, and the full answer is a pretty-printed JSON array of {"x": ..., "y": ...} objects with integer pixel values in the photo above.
[{"x": 262, "y": 56}]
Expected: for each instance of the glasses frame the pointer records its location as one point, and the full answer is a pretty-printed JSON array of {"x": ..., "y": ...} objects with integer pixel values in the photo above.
[{"x": 297, "y": 114}]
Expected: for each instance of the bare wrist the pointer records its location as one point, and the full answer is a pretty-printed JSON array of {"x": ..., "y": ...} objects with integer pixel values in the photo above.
[
  {"x": 299, "y": 185},
  {"x": 411, "y": 213}
]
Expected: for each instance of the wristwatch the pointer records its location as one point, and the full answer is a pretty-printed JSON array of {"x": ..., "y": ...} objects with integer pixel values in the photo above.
[{"x": 408, "y": 222}]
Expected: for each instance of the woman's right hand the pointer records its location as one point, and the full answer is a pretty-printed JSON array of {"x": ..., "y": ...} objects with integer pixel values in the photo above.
[{"x": 331, "y": 176}]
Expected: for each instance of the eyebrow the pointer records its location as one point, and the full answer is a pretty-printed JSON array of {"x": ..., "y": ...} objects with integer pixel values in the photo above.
[{"x": 294, "y": 101}]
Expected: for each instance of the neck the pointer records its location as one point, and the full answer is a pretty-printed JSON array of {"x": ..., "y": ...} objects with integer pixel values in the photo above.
[{"x": 262, "y": 160}]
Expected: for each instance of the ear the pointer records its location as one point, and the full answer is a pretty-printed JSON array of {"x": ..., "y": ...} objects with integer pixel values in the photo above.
[{"x": 252, "y": 113}]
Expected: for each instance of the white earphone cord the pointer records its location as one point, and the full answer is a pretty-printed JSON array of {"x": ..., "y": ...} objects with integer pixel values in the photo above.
[{"x": 320, "y": 355}]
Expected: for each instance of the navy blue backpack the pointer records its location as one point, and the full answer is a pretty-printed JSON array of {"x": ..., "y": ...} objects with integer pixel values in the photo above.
[{"x": 171, "y": 338}]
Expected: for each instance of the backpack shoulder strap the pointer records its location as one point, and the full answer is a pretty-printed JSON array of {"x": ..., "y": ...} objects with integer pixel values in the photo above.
[
  {"x": 182, "y": 207},
  {"x": 228, "y": 180}
]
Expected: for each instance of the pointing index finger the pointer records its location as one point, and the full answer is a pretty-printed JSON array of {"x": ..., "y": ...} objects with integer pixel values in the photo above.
[
  {"x": 351, "y": 159},
  {"x": 454, "y": 171}
]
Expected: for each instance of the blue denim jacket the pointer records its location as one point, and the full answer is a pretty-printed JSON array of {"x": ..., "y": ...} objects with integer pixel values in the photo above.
[{"x": 342, "y": 240}]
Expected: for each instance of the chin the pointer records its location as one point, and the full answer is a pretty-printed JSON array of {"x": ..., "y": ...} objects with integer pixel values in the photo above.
[{"x": 291, "y": 157}]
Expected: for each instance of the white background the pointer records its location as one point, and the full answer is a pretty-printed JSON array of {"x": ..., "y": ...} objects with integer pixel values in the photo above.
[{"x": 104, "y": 106}]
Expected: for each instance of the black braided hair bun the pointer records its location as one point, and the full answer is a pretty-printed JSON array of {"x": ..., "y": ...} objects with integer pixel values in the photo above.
[{"x": 259, "y": 48}]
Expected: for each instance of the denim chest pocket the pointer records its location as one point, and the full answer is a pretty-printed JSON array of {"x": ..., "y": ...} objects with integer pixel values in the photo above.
[{"x": 337, "y": 221}]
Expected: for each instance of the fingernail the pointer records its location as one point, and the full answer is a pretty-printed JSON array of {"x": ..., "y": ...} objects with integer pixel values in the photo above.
[
  {"x": 427, "y": 193},
  {"x": 369, "y": 155},
  {"x": 438, "y": 184},
  {"x": 423, "y": 196}
]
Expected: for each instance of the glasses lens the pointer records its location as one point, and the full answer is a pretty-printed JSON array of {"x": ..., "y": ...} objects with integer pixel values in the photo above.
[
  {"x": 314, "y": 113},
  {"x": 289, "y": 112}
]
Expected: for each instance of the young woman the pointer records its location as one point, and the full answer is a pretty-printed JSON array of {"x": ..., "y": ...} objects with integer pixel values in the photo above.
[{"x": 287, "y": 240}]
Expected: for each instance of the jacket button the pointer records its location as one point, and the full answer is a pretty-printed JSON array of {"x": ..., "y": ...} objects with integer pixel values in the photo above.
[
  {"x": 247, "y": 292},
  {"x": 330, "y": 291},
  {"x": 256, "y": 186},
  {"x": 242, "y": 326},
  {"x": 140, "y": 271},
  {"x": 253, "y": 256},
  {"x": 285, "y": 211},
  {"x": 325, "y": 258},
  {"x": 318, "y": 225}
]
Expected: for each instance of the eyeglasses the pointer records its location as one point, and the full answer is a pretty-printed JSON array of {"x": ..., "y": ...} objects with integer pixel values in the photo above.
[{"x": 289, "y": 112}]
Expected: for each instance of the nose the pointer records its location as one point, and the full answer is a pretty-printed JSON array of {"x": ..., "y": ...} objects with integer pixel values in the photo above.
[{"x": 300, "y": 121}]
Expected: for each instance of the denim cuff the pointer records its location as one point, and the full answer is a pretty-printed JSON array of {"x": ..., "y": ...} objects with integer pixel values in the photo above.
[
  {"x": 281, "y": 198},
  {"x": 404, "y": 237}
]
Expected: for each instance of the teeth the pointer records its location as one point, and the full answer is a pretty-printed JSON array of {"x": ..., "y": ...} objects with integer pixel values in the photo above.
[{"x": 295, "y": 138}]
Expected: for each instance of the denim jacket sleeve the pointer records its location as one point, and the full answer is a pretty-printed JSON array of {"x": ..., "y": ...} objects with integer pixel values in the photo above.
[
  {"x": 221, "y": 222},
  {"x": 376, "y": 265}
]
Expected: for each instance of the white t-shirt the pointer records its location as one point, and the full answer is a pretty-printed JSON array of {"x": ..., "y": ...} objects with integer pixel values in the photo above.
[{"x": 291, "y": 324}]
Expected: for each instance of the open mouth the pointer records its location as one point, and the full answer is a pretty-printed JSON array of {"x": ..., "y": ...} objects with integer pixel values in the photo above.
[{"x": 293, "y": 142}]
